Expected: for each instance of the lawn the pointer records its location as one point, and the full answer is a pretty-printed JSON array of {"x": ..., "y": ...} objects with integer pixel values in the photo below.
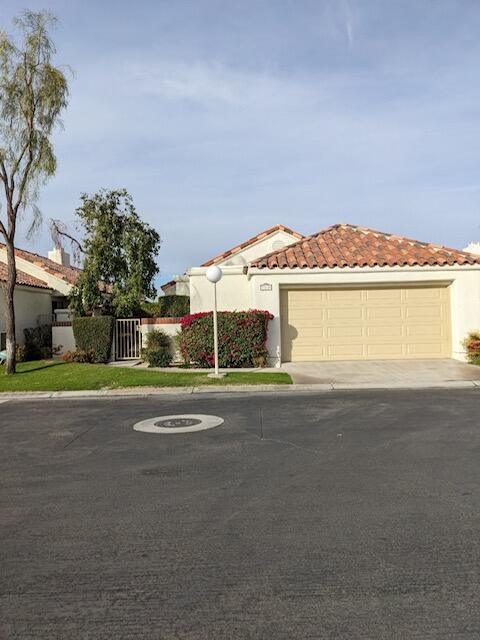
[{"x": 47, "y": 375}]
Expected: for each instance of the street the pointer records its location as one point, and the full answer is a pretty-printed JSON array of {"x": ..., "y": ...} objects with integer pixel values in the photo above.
[{"x": 344, "y": 515}]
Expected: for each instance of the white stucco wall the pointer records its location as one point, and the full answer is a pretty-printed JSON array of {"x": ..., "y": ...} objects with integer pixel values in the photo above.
[
  {"x": 464, "y": 285},
  {"x": 170, "y": 329},
  {"x": 30, "y": 303},
  {"x": 233, "y": 290},
  {"x": 63, "y": 339}
]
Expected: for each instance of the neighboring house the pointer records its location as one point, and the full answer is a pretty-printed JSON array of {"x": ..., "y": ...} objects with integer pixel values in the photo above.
[
  {"x": 43, "y": 285},
  {"x": 348, "y": 293},
  {"x": 32, "y": 298}
]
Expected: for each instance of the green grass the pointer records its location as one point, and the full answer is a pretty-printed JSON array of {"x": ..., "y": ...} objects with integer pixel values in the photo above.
[{"x": 47, "y": 375}]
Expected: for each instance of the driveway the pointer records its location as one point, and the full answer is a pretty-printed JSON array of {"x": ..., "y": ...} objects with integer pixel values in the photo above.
[
  {"x": 395, "y": 372},
  {"x": 352, "y": 515}
]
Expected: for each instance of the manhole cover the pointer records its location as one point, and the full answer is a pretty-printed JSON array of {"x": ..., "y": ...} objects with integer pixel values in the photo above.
[
  {"x": 187, "y": 423},
  {"x": 171, "y": 423}
]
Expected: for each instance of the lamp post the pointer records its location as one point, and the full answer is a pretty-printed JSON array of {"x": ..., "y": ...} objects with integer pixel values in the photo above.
[{"x": 214, "y": 275}]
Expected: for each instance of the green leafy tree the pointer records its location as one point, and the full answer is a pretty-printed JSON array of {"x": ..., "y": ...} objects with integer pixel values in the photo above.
[
  {"x": 119, "y": 255},
  {"x": 33, "y": 94}
]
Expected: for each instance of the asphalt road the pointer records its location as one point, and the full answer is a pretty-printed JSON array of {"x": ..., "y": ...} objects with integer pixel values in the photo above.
[{"x": 342, "y": 515}]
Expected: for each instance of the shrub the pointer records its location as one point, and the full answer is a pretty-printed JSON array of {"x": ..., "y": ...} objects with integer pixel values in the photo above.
[
  {"x": 242, "y": 338},
  {"x": 157, "y": 339},
  {"x": 167, "y": 307},
  {"x": 78, "y": 355},
  {"x": 472, "y": 347},
  {"x": 158, "y": 357},
  {"x": 38, "y": 343},
  {"x": 20, "y": 353},
  {"x": 94, "y": 334},
  {"x": 157, "y": 352}
]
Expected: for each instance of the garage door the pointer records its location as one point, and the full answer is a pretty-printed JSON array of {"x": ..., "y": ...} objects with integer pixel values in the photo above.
[{"x": 365, "y": 324}]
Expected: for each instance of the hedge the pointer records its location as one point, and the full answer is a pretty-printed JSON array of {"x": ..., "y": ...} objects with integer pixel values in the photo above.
[
  {"x": 242, "y": 338},
  {"x": 94, "y": 334},
  {"x": 167, "y": 307}
]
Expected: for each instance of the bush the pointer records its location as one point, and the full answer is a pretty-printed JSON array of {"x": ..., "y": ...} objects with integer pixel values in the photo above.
[
  {"x": 167, "y": 307},
  {"x": 158, "y": 357},
  {"x": 157, "y": 352},
  {"x": 242, "y": 338},
  {"x": 94, "y": 334},
  {"x": 20, "y": 353},
  {"x": 79, "y": 356},
  {"x": 472, "y": 347},
  {"x": 38, "y": 343}
]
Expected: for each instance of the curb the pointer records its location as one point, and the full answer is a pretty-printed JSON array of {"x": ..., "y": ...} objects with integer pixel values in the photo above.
[{"x": 142, "y": 392}]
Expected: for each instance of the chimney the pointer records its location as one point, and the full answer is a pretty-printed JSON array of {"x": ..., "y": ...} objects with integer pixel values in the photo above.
[
  {"x": 59, "y": 256},
  {"x": 473, "y": 247}
]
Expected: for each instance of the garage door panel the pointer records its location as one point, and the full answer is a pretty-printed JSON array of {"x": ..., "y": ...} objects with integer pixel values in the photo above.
[
  {"x": 384, "y": 313},
  {"x": 343, "y": 314},
  {"x": 346, "y": 349},
  {"x": 384, "y": 331},
  {"x": 381, "y": 296},
  {"x": 344, "y": 332},
  {"x": 384, "y": 350},
  {"x": 374, "y": 323}
]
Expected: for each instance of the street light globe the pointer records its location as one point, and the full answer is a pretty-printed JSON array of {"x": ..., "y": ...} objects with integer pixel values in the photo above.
[{"x": 214, "y": 274}]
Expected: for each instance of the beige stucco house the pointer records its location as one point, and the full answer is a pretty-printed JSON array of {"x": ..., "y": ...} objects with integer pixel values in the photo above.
[
  {"x": 347, "y": 293},
  {"x": 42, "y": 288}
]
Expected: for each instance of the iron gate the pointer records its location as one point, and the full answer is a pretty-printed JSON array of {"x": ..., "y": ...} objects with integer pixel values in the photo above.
[{"x": 128, "y": 339}]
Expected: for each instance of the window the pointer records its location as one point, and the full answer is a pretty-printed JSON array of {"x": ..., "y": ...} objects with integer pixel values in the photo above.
[{"x": 3, "y": 341}]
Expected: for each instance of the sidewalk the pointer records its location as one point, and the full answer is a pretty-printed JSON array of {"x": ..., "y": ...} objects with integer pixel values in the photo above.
[{"x": 245, "y": 389}]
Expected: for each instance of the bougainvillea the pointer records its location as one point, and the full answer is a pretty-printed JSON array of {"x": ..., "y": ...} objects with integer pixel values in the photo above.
[
  {"x": 472, "y": 347},
  {"x": 242, "y": 338}
]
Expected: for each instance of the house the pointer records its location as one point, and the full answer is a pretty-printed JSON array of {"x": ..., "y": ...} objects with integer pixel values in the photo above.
[
  {"x": 348, "y": 293},
  {"x": 43, "y": 285}
]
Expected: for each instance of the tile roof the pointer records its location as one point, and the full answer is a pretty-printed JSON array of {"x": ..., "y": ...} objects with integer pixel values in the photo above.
[
  {"x": 68, "y": 274},
  {"x": 22, "y": 278},
  {"x": 346, "y": 245},
  {"x": 168, "y": 284},
  {"x": 247, "y": 243}
]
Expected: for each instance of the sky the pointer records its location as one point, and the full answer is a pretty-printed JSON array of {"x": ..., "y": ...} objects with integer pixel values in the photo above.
[{"x": 225, "y": 117}]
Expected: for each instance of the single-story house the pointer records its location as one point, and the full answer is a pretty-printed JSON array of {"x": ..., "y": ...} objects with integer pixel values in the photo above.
[
  {"x": 43, "y": 285},
  {"x": 347, "y": 293}
]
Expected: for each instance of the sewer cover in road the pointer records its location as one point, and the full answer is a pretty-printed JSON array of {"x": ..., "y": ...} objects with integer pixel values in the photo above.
[
  {"x": 187, "y": 423},
  {"x": 171, "y": 423}
]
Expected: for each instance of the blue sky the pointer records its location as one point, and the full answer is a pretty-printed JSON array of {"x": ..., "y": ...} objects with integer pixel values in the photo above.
[{"x": 224, "y": 117}]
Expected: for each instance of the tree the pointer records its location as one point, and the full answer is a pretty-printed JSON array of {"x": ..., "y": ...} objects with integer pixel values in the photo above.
[
  {"x": 33, "y": 93},
  {"x": 119, "y": 254}
]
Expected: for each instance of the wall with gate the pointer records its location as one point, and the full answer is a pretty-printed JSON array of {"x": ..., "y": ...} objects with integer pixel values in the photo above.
[{"x": 63, "y": 338}]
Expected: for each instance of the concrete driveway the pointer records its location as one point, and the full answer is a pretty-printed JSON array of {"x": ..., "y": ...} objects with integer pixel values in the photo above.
[
  {"x": 395, "y": 372},
  {"x": 352, "y": 515}
]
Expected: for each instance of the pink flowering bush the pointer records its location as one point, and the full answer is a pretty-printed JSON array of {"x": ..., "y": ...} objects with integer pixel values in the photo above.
[{"x": 242, "y": 338}]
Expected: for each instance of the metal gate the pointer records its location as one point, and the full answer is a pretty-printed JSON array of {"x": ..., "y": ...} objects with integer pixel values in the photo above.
[{"x": 128, "y": 339}]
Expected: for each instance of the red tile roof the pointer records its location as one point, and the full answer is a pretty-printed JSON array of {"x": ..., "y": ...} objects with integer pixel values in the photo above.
[
  {"x": 247, "y": 243},
  {"x": 167, "y": 285},
  {"x": 346, "y": 245},
  {"x": 23, "y": 278},
  {"x": 68, "y": 274}
]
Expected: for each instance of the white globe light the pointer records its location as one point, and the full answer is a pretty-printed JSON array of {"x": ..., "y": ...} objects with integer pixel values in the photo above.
[{"x": 214, "y": 274}]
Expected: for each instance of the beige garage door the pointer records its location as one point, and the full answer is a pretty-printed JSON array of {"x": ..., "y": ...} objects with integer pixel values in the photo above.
[{"x": 365, "y": 324}]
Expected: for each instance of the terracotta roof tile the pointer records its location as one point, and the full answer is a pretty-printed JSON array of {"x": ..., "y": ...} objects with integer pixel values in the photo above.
[
  {"x": 346, "y": 245},
  {"x": 22, "y": 278},
  {"x": 247, "y": 243},
  {"x": 68, "y": 274}
]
